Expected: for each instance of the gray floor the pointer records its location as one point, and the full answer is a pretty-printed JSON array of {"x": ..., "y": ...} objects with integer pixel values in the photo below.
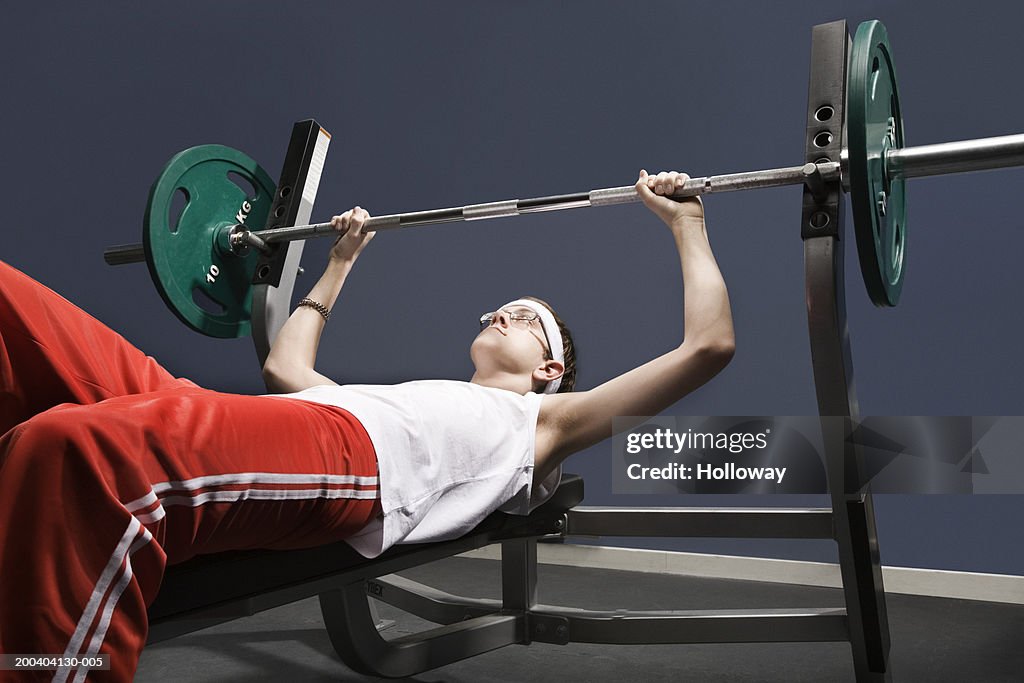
[{"x": 933, "y": 639}]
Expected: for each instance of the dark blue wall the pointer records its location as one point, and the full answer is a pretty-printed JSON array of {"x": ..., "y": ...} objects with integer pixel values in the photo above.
[{"x": 437, "y": 104}]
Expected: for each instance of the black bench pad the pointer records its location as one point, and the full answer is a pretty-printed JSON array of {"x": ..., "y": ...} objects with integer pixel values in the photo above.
[{"x": 207, "y": 581}]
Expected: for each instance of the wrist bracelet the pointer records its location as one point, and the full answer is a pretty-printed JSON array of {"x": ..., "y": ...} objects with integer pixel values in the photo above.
[{"x": 317, "y": 306}]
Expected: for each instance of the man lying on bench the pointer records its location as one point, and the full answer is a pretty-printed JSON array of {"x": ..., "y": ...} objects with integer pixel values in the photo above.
[{"x": 111, "y": 469}]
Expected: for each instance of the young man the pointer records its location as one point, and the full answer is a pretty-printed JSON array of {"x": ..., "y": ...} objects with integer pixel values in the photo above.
[
  {"x": 530, "y": 429},
  {"x": 110, "y": 468}
]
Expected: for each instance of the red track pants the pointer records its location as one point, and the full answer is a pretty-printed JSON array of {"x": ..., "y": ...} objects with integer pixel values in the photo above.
[{"x": 110, "y": 468}]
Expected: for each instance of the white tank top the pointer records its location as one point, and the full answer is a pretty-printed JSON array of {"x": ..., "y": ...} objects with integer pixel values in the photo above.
[{"x": 449, "y": 454}]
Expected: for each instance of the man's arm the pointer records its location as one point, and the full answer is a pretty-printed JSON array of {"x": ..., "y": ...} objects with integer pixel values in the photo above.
[
  {"x": 290, "y": 364},
  {"x": 573, "y": 421}
]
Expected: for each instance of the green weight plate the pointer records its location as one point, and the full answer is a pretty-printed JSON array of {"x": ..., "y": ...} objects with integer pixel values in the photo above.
[
  {"x": 201, "y": 191},
  {"x": 874, "y": 125}
]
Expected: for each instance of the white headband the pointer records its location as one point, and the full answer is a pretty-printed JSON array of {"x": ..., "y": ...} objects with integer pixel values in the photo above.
[{"x": 551, "y": 331}]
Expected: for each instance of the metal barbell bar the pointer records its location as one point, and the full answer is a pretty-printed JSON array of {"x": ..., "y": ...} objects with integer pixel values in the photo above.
[
  {"x": 963, "y": 156},
  {"x": 204, "y": 259}
]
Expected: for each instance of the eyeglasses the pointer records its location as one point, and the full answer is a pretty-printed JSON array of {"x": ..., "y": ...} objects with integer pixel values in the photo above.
[
  {"x": 521, "y": 318},
  {"x": 518, "y": 318}
]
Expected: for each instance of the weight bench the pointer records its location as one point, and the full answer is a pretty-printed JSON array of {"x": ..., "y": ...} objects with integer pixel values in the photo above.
[
  {"x": 213, "y": 589},
  {"x": 210, "y": 590}
]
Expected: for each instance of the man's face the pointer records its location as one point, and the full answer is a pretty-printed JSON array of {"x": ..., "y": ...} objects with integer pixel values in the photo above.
[{"x": 511, "y": 340}]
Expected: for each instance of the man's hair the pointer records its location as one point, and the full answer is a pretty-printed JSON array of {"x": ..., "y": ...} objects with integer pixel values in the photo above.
[{"x": 568, "y": 348}]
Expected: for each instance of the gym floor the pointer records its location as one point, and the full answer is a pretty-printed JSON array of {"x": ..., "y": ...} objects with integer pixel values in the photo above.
[{"x": 933, "y": 639}]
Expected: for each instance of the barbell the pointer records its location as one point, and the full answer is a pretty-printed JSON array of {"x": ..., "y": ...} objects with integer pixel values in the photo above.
[{"x": 207, "y": 251}]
